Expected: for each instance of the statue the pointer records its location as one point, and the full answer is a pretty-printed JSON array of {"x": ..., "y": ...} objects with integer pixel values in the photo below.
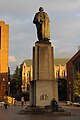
[{"x": 41, "y": 20}]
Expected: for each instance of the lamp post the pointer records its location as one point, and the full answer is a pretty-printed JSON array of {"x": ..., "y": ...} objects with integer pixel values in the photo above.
[
  {"x": 70, "y": 90},
  {"x": 3, "y": 87},
  {"x": 8, "y": 87}
]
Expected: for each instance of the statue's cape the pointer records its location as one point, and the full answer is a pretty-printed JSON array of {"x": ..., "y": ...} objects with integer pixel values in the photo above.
[{"x": 41, "y": 16}]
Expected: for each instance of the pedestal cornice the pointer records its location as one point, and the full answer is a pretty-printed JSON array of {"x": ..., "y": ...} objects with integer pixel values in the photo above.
[{"x": 42, "y": 43}]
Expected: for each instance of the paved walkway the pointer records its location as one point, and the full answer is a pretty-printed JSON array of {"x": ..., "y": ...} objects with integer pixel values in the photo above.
[{"x": 12, "y": 114}]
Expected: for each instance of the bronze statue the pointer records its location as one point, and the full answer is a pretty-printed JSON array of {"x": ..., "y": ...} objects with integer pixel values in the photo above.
[{"x": 42, "y": 22}]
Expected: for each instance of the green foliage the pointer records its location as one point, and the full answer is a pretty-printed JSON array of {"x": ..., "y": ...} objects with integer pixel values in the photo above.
[
  {"x": 16, "y": 73},
  {"x": 62, "y": 89},
  {"x": 8, "y": 74},
  {"x": 16, "y": 81},
  {"x": 77, "y": 84},
  {"x": 13, "y": 86}
]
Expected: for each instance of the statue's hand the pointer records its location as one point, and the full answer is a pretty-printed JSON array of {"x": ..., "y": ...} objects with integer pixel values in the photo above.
[{"x": 42, "y": 20}]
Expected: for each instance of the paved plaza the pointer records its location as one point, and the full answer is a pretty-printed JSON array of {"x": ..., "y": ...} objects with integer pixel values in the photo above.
[{"x": 12, "y": 114}]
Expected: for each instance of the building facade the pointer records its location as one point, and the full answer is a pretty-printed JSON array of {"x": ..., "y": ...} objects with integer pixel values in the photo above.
[
  {"x": 73, "y": 66},
  {"x": 60, "y": 71},
  {"x": 26, "y": 74},
  {"x": 61, "y": 76},
  {"x": 4, "y": 42}
]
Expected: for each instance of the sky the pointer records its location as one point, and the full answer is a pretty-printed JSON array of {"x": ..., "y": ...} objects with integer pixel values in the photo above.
[{"x": 64, "y": 27}]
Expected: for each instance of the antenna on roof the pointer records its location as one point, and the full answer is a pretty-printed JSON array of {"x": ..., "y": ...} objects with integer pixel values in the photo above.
[{"x": 78, "y": 48}]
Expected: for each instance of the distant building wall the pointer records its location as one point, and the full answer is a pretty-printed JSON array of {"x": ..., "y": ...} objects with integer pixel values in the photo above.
[
  {"x": 59, "y": 70},
  {"x": 26, "y": 75},
  {"x": 60, "y": 73}
]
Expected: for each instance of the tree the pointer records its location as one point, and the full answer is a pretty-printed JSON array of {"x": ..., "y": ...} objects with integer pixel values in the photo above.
[
  {"x": 16, "y": 81},
  {"x": 16, "y": 73},
  {"x": 62, "y": 89},
  {"x": 13, "y": 87},
  {"x": 20, "y": 79},
  {"x": 77, "y": 84},
  {"x": 8, "y": 74}
]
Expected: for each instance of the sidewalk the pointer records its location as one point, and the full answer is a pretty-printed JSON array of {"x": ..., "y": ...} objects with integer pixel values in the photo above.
[{"x": 18, "y": 103}]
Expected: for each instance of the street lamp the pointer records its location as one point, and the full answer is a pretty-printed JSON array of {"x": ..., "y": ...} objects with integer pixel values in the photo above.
[
  {"x": 70, "y": 90},
  {"x": 3, "y": 79},
  {"x": 9, "y": 87},
  {"x": 3, "y": 87}
]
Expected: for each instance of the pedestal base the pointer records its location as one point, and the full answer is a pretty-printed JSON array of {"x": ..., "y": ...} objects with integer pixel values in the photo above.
[
  {"x": 42, "y": 92},
  {"x": 44, "y": 86}
]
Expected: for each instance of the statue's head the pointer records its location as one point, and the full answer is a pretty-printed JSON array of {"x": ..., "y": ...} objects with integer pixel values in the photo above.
[{"x": 41, "y": 9}]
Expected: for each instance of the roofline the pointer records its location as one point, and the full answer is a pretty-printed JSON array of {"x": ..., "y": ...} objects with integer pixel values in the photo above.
[{"x": 72, "y": 59}]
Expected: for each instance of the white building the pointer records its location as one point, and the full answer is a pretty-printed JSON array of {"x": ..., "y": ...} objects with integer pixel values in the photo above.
[
  {"x": 60, "y": 71},
  {"x": 26, "y": 74}
]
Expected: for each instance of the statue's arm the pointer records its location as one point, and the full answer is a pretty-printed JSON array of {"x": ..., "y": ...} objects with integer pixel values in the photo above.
[{"x": 35, "y": 20}]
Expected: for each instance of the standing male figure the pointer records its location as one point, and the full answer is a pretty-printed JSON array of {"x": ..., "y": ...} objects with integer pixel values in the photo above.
[
  {"x": 5, "y": 102},
  {"x": 42, "y": 22}
]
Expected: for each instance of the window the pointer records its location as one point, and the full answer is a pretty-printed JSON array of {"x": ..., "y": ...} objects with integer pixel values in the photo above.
[
  {"x": 63, "y": 73},
  {"x": 44, "y": 97},
  {"x": 57, "y": 74}
]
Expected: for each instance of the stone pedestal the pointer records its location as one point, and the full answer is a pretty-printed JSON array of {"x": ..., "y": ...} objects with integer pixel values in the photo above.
[{"x": 44, "y": 86}]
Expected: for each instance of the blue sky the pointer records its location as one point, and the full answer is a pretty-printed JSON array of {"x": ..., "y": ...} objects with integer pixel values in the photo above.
[{"x": 64, "y": 26}]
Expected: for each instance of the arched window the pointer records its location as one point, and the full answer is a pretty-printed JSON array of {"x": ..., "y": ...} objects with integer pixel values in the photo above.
[
  {"x": 63, "y": 73},
  {"x": 57, "y": 74}
]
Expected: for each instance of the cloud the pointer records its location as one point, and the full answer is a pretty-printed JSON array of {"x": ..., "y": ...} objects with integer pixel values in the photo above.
[
  {"x": 67, "y": 28},
  {"x": 12, "y": 59},
  {"x": 24, "y": 8},
  {"x": 64, "y": 26},
  {"x": 63, "y": 6},
  {"x": 13, "y": 63}
]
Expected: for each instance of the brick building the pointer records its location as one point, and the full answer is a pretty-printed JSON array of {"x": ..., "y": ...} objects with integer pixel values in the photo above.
[{"x": 73, "y": 66}]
